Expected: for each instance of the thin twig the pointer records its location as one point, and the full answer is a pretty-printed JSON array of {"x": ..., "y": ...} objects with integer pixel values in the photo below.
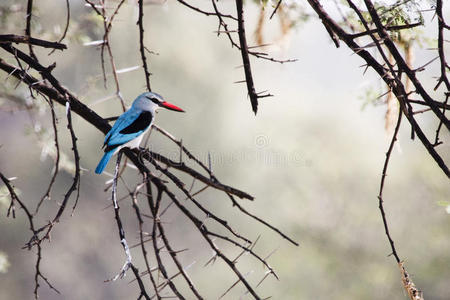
[
  {"x": 8, "y": 38},
  {"x": 245, "y": 58},
  {"x": 275, "y": 10},
  {"x": 383, "y": 177},
  {"x": 28, "y": 27},
  {"x": 66, "y": 28},
  {"x": 57, "y": 150},
  {"x": 141, "y": 44}
]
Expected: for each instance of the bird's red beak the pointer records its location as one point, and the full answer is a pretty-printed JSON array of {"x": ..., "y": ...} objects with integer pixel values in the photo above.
[{"x": 170, "y": 106}]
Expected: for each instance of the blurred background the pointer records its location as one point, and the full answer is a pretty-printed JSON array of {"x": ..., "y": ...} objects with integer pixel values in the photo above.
[{"x": 312, "y": 158}]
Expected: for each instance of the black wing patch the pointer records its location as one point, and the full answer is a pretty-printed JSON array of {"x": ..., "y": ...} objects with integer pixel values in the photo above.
[
  {"x": 111, "y": 147},
  {"x": 141, "y": 123}
]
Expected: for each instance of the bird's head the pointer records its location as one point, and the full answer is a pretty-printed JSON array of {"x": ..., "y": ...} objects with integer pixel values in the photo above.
[{"x": 150, "y": 101}]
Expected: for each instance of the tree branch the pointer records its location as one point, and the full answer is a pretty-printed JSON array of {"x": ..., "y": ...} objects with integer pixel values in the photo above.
[
  {"x": 245, "y": 58},
  {"x": 13, "y": 38}
]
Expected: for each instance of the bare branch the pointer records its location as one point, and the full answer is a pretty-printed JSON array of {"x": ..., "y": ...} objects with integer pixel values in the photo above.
[
  {"x": 383, "y": 177},
  {"x": 275, "y": 9},
  {"x": 28, "y": 26},
  {"x": 389, "y": 28},
  {"x": 66, "y": 28},
  {"x": 13, "y": 38},
  {"x": 184, "y": 168},
  {"x": 245, "y": 58},
  {"x": 397, "y": 86},
  {"x": 56, "y": 168},
  {"x": 141, "y": 44},
  {"x": 205, "y": 12}
]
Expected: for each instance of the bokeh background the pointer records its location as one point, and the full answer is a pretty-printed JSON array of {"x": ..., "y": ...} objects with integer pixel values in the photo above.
[{"x": 312, "y": 158}]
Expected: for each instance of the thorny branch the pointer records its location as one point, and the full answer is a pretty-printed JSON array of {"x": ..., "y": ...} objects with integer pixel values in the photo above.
[
  {"x": 141, "y": 44},
  {"x": 8, "y": 38},
  {"x": 14, "y": 198},
  {"x": 383, "y": 177},
  {"x": 36, "y": 240},
  {"x": 46, "y": 74},
  {"x": 58, "y": 154},
  {"x": 242, "y": 46},
  {"x": 245, "y": 57},
  {"x": 377, "y": 31},
  {"x": 50, "y": 88},
  {"x": 205, "y": 12},
  {"x": 445, "y": 67},
  {"x": 384, "y": 43},
  {"x": 107, "y": 25},
  {"x": 390, "y": 77},
  {"x": 141, "y": 234},
  {"x": 66, "y": 28},
  {"x": 28, "y": 26}
]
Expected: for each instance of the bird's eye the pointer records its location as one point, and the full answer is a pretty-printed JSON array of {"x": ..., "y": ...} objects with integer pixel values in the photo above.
[{"x": 153, "y": 99}]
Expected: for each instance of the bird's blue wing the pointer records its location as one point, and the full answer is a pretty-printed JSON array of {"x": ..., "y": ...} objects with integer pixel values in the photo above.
[{"x": 128, "y": 126}]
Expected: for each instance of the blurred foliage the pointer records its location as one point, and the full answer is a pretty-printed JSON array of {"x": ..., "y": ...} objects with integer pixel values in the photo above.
[
  {"x": 4, "y": 263},
  {"x": 399, "y": 13},
  {"x": 392, "y": 13},
  {"x": 5, "y": 198},
  {"x": 371, "y": 96},
  {"x": 9, "y": 12},
  {"x": 326, "y": 199}
]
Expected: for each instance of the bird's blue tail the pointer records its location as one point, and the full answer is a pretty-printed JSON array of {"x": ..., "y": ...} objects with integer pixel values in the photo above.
[{"x": 104, "y": 161}]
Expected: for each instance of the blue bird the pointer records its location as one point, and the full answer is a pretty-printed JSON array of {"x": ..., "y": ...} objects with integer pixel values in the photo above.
[{"x": 130, "y": 127}]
